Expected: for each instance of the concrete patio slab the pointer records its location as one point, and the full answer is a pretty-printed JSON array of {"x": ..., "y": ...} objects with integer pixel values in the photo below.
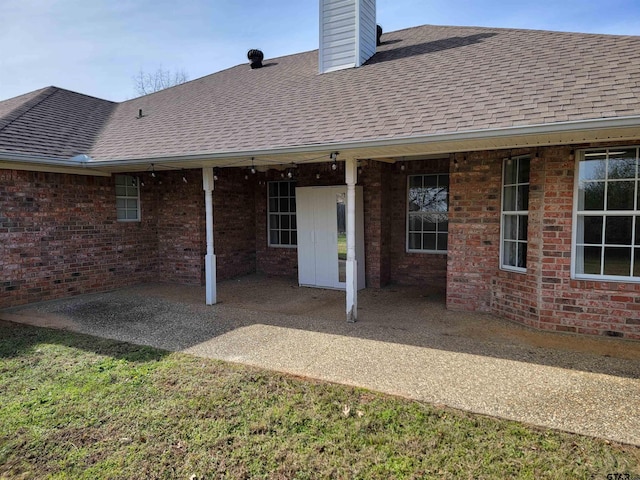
[{"x": 405, "y": 343}]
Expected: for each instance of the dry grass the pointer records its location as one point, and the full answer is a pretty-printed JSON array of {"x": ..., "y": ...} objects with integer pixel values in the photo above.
[{"x": 80, "y": 407}]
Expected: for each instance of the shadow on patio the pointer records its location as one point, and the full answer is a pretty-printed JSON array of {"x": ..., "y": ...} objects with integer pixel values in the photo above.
[{"x": 174, "y": 317}]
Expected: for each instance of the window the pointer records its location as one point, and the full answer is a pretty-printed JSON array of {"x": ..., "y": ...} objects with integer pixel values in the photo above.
[
  {"x": 427, "y": 216},
  {"x": 282, "y": 214},
  {"x": 515, "y": 213},
  {"x": 127, "y": 198},
  {"x": 607, "y": 215}
]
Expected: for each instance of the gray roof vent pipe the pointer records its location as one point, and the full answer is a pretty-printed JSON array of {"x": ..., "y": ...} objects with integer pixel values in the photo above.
[{"x": 255, "y": 57}]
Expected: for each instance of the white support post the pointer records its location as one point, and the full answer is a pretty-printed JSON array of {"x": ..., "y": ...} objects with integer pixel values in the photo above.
[
  {"x": 210, "y": 258},
  {"x": 351, "y": 178}
]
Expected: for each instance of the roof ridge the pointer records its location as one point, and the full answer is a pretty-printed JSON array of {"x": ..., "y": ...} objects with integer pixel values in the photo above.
[{"x": 32, "y": 103}]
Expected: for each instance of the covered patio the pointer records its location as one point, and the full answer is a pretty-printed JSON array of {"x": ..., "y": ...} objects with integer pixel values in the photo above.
[{"x": 405, "y": 343}]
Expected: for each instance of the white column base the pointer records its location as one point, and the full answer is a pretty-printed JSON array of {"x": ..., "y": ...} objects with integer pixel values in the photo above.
[
  {"x": 352, "y": 290},
  {"x": 210, "y": 279}
]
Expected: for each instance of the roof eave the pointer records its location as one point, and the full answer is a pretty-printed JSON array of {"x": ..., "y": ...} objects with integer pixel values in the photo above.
[
  {"x": 559, "y": 133},
  {"x": 44, "y": 163}
]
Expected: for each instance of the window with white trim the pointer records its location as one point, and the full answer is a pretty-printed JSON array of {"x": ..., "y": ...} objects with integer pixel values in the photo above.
[
  {"x": 607, "y": 215},
  {"x": 282, "y": 214},
  {"x": 515, "y": 214},
  {"x": 428, "y": 213},
  {"x": 127, "y": 198}
]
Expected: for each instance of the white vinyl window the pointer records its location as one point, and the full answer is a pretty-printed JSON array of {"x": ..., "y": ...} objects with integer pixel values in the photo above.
[
  {"x": 606, "y": 243},
  {"x": 127, "y": 198},
  {"x": 428, "y": 213},
  {"x": 515, "y": 214},
  {"x": 282, "y": 214}
]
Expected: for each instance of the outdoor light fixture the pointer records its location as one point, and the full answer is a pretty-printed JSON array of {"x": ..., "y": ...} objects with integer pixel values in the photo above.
[
  {"x": 334, "y": 157},
  {"x": 153, "y": 171},
  {"x": 317, "y": 175},
  {"x": 184, "y": 176},
  {"x": 215, "y": 174},
  {"x": 253, "y": 168},
  {"x": 508, "y": 159}
]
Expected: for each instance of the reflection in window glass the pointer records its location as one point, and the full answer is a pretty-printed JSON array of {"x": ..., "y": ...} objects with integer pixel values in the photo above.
[
  {"x": 428, "y": 217},
  {"x": 607, "y": 214}
]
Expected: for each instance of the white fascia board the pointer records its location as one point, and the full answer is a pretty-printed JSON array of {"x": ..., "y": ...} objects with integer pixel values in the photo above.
[{"x": 43, "y": 163}]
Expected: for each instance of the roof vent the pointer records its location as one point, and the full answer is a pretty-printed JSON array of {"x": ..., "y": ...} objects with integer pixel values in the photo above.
[
  {"x": 255, "y": 57},
  {"x": 378, "y": 35}
]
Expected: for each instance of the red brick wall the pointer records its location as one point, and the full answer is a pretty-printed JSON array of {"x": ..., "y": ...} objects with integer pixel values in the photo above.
[
  {"x": 180, "y": 225},
  {"x": 599, "y": 308},
  {"x": 545, "y": 296},
  {"x": 374, "y": 178},
  {"x": 516, "y": 295},
  {"x": 474, "y": 230},
  {"x": 59, "y": 237},
  {"x": 234, "y": 223}
]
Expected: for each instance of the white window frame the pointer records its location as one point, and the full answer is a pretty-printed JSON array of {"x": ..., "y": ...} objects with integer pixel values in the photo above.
[
  {"x": 292, "y": 215},
  {"x": 635, "y": 213},
  {"x": 131, "y": 192},
  {"x": 408, "y": 215},
  {"x": 513, "y": 213}
]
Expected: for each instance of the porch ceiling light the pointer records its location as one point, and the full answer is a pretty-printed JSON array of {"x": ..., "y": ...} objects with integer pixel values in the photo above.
[
  {"x": 334, "y": 157},
  {"x": 253, "y": 167}
]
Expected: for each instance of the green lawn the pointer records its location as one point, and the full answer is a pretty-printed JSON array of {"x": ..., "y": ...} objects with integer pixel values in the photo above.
[
  {"x": 342, "y": 246},
  {"x": 73, "y": 406}
]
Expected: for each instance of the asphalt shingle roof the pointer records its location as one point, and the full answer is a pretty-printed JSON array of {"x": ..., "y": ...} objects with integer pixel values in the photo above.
[
  {"x": 52, "y": 122},
  {"x": 422, "y": 80}
]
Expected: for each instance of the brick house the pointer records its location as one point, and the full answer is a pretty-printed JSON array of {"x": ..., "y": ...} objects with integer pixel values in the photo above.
[{"x": 499, "y": 166}]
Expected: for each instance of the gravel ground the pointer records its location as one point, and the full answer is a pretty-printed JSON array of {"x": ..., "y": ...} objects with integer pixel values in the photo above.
[{"x": 405, "y": 343}]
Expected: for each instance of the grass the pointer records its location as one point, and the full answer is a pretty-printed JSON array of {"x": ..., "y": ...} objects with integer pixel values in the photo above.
[
  {"x": 74, "y": 406},
  {"x": 342, "y": 246}
]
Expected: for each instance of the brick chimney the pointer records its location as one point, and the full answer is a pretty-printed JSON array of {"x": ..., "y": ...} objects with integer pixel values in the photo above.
[{"x": 347, "y": 33}]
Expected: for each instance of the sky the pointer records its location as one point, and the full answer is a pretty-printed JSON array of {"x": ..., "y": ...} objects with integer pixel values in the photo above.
[{"x": 96, "y": 47}]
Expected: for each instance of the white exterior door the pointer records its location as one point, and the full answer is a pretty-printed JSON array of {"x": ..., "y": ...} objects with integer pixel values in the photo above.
[{"x": 320, "y": 216}]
